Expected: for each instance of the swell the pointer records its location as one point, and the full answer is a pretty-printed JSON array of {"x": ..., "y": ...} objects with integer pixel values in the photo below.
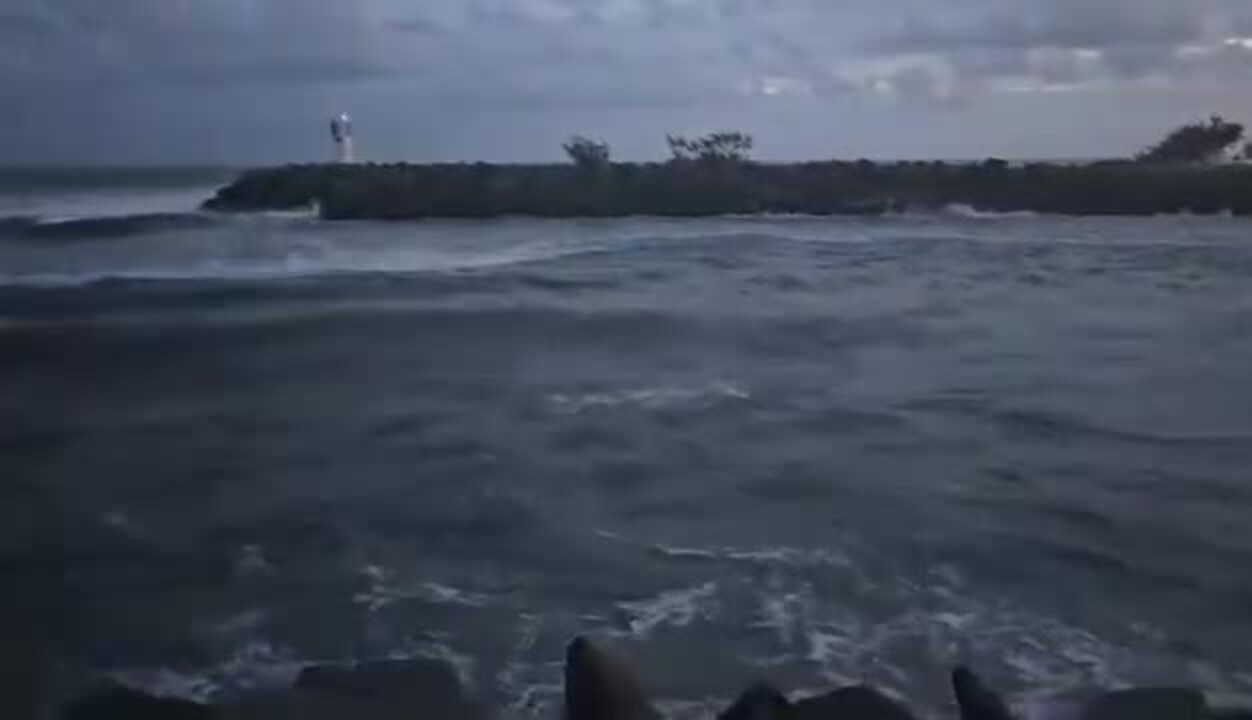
[
  {"x": 25, "y": 227},
  {"x": 333, "y": 333},
  {"x": 122, "y": 301},
  {"x": 294, "y": 247},
  {"x": 266, "y": 248},
  {"x": 1040, "y": 425},
  {"x": 441, "y": 317}
]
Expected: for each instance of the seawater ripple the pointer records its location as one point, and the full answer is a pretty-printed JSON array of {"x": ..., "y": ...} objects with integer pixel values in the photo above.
[{"x": 823, "y": 450}]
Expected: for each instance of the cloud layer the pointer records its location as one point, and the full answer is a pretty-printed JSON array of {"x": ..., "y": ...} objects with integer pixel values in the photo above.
[{"x": 251, "y": 80}]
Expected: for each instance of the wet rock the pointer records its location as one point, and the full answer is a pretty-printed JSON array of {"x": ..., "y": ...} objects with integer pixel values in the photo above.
[
  {"x": 976, "y": 700},
  {"x": 601, "y": 686},
  {"x": 598, "y": 686},
  {"x": 859, "y": 702},
  {"x": 122, "y": 703},
  {"x": 399, "y": 690},
  {"x": 759, "y": 702}
]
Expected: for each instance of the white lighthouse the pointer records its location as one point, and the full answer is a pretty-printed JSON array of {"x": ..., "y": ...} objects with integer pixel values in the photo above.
[{"x": 341, "y": 134}]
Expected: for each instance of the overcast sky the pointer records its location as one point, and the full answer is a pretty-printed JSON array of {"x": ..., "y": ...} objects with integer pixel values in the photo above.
[{"x": 233, "y": 81}]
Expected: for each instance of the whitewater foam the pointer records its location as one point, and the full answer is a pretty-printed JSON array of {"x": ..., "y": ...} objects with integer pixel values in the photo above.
[
  {"x": 257, "y": 249},
  {"x": 254, "y": 665},
  {"x": 935, "y": 611},
  {"x": 673, "y": 608},
  {"x": 240, "y": 625},
  {"x": 384, "y": 590},
  {"x": 251, "y": 561},
  {"x": 433, "y": 648},
  {"x": 969, "y": 212},
  {"x": 781, "y": 555},
  {"x": 656, "y": 398},
  {"x": 530, "y": 689}
]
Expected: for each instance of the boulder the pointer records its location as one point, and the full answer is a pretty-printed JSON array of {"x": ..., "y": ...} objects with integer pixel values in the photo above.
[
  {"x": 859, "y": 702},
  {"x": 393, "y": 690},
  {"x": 762, "y": 701},
  {"x": 115, "y": 702},
  {"x": 400, "y": 690},
  {"x": 601, "y": 686},
  {"x": 975, "y": 699}
]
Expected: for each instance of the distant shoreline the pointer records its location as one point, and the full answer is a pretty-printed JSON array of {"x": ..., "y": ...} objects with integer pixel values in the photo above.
[{"x": 704, "y": 188}]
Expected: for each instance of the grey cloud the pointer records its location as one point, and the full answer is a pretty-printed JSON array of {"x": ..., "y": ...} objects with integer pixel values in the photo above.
[
  {"x": 206, "y": 43},
  {"x": 274, "y": 70},
  {"x": 186, "y": 76},
  {"x": 1168, "y": 42},
  {"x": 22, "y": 25},
  {"x": 416, "y": 25},
  {"x": 1094, "y": 25}
]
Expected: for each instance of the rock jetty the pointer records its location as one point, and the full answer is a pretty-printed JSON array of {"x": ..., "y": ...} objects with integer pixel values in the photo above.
[{"x": 702, "y": 187}]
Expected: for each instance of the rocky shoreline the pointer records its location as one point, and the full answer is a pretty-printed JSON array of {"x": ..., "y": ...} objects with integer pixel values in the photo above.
[
  {"x": 602, "y": 686},
  {"x": 694, "y": 188}
]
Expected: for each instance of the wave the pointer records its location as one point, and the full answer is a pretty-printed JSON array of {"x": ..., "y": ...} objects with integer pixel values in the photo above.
[
  {"x": 1038, "y": 423},
  {"x": 292, "y": 247},
  {"x": 385, "y": 590},
  {"x": 856, "y": 622},
  {"x": 257, "y": 666},
  {"x": 789, "y": 557},
  {"x": 102, "y": 227},
  {"x": 259, "y": 248},
  {"x": 673, "y": 608},
  {"x": 970, "y": 212},
  {"x": 658, "y": 398},
  {"x": 17, "y": 223},
  {"x": 263, "y": 247}
]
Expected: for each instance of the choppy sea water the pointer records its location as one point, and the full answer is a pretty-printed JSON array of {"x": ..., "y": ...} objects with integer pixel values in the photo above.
[{"x": 815, "y": 450}]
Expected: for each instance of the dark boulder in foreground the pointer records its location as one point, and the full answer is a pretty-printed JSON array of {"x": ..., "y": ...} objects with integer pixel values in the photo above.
[
  {"x": 692, "y": 188},
  {"x": 976, "y": 700},
  {"x": 598, "y": 686},
  {"x": 126, "y": 704},
  {"x": 601, "y": 686},
  {"x": 401, "y": 690}
]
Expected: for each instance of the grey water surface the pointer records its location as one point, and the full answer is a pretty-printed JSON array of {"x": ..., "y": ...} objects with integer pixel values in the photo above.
[{"x": 815, "y": 450}]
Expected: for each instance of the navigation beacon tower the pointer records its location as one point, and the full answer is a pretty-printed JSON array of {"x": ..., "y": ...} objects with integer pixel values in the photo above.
[{"x": 341, "y": 134}]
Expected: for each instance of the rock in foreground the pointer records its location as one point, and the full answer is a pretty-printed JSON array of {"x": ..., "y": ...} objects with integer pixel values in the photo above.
[
  {"x": 401, "y": 690},
  {"x": 598, "y": 686}
]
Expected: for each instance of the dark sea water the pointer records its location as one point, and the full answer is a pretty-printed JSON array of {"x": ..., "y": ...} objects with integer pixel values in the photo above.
[{"x": 816, "y": 450}]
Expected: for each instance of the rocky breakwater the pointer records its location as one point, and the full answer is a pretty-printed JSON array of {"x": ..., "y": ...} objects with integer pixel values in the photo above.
[
  {"x": 693, "y": 188},
  {"x": 602, "y": 686}
]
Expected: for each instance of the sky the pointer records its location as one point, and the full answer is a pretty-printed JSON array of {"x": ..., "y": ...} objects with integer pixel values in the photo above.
[{"x": 255, "y": 81}]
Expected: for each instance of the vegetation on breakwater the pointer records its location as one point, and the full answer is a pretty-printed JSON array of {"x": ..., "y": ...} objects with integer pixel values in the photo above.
[{"x": 713, "y": 176}]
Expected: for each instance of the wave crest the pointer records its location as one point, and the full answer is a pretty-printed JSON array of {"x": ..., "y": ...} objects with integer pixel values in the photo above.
[{"x": 104, "y": 227}]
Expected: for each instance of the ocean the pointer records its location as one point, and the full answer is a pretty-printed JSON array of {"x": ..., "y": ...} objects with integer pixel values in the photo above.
[{"x": 817, "y": 450}]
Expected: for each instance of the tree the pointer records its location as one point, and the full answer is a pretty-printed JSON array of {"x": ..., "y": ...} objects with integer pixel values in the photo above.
[
  {"x": 718, "y": 146},
  {"x": 1196, "y": 143},
  {"x": 587, "y": 153}
]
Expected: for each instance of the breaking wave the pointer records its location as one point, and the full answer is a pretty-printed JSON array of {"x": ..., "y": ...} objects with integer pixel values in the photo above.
[
  {"x": 657, "y": 398},
  {"x": 970, "y": 212},
  {"x": 104, "y": 227}
]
